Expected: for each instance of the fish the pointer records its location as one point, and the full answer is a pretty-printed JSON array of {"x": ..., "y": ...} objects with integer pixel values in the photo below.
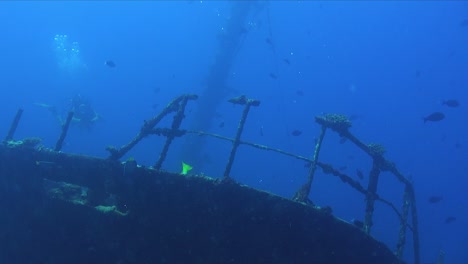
[
  {"x": 221, "y": 125},
  {"x": 434, "y": 117},
  {"x": 450, "y": 219},
  {"x": 359, "y": 174},
  {"x": 287, "y": 61},
  {"x": 451, "y": 103},
  {"x": 110, "y": 63},
  {"x": 300, "y": 93},
  {"x": 273, "y": 76},
  {"x": 296, "y": 133},
  {"x": 435, "y": 199}
]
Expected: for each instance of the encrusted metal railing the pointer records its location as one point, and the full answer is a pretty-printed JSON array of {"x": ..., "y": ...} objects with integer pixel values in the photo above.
[{"x": 337, "y": 123}]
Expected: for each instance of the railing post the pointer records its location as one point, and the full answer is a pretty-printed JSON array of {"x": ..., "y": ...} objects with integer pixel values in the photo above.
[
  {"x": 147, "y": 127},
  {"x": 371, "y": 195},
  {"x": 302, "y": 194},
  {"x": 170, "y": 137},
  {"x": 403, "y": 224},
  {"x": 65, "y": 126},
  {"x": 242, "y": 100},
  {"x": 414, "y": 218},
  {"x": 14, "y": 125}
]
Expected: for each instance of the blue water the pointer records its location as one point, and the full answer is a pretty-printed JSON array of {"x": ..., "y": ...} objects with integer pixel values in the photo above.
[{"x": 387, "y": 63}]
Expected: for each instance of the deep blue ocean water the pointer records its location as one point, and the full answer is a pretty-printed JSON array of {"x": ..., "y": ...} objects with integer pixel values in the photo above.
[{"x": 388, "y": 64}]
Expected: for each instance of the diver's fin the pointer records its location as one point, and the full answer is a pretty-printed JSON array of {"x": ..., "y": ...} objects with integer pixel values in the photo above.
[{"x": 49, "y": 107}]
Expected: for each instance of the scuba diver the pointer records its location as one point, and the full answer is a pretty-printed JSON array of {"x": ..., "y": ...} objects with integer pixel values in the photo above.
[{"x": 83, "y": 113}]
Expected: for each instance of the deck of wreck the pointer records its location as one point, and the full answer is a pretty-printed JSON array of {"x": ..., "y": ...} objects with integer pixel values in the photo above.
[
  {"x": 59, "y": 207},
  {"x": 63, "y": 208}
]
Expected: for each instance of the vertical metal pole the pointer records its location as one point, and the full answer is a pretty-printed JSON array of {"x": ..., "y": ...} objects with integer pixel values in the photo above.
[
  {"x": 175, "y": 126},
  {"x": 235, "y": 144},
  {"x": 148, "y": 126},
  {"x": 414, "y": 217},
  {"x": 302, "y": 194},
  {"x": 14, "y": 125},
  {"x": 370, "y": 197},
  {"x": 65, "y": 127},
  {"x": 403, "y": 224}
]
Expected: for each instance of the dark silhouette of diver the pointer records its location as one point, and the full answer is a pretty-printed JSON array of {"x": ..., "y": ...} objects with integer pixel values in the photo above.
[{"x": 83, "y": 113}]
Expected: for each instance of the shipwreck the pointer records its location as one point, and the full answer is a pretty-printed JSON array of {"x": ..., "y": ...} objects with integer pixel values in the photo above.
[{"x": 60, "y": 207}]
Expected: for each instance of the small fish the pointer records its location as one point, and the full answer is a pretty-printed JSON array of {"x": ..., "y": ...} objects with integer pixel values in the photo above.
[
  {"x": 273, "y": 76},
  {"x": 450, "y": 219},
  {"x": 451, "y": 103},
  {"x": 287, "y": 61},
  {"x": 359, "y": 174},
  {"x": 110, "y": 63},
  {"x": 434, "y": 117},
  {"x": 300, "y": 93},
  {"x": 296, "y": 133},
  {"x": 221, "y": 125},
  {"x": 435, "y": 199}
]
